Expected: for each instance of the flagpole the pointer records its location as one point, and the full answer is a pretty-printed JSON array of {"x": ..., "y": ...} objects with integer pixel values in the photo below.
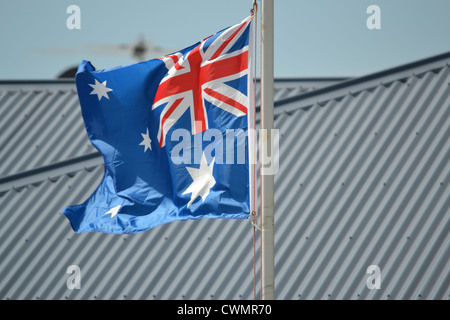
[{"x": 267, "y": 179}]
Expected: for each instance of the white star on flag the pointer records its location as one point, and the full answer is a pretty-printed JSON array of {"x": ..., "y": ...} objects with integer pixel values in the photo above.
[
  {"x": 100, "y": 89},
  {"x": 203, "y": 180},
  {"x": 114, "y": 211},
  {"x": 146, "y": 142}
]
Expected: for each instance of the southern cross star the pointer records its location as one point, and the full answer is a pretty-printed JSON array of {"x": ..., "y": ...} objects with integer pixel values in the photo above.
[
  {"x": 146, "y": 142},
  {"x": 113, "y": 211},
  {"x": 100, "y": 89}
]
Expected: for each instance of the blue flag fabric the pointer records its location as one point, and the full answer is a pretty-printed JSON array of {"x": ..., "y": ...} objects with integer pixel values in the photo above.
[{"x": 173, "y": 135}]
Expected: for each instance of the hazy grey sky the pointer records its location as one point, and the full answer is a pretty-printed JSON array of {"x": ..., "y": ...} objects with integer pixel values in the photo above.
[{"x": 313, "y": 38}]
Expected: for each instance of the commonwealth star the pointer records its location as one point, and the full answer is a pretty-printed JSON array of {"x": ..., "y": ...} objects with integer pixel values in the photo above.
[{"x": 203, "y": 180}]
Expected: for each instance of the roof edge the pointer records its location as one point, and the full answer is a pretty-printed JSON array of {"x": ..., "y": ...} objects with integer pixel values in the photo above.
[
  {"x": 36, "y": 81},
  {"x": 309, "y": 79},
  {"x": 376, "y": 78},
  {"x": 46, "y": 172}
]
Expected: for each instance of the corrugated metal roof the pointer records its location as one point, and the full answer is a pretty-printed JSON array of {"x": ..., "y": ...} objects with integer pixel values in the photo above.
[
  {"x": 363, "y": 180},
  {"x": 371, "y": 187}
]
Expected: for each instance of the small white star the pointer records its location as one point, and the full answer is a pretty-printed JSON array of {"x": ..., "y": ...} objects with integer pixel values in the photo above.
[
  {"x": 100, "y": 89},
  {"x": 114, "y": 211},
  {"x": 203, "y": 180},
  {"x": 146, "y": 142}
]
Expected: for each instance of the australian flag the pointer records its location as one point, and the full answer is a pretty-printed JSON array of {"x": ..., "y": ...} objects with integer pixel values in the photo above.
[{"x": 173, "y": 133}]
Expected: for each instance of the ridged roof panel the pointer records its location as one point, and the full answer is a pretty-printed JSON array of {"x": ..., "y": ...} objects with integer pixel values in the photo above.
[{"x": 363, "y": 180}]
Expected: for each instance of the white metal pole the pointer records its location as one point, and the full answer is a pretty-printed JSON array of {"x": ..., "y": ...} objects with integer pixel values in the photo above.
[{"x": 267, "y": 179}]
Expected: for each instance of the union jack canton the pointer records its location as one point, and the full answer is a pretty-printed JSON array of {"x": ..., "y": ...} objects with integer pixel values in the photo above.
[{"x": 205, "y": 72}]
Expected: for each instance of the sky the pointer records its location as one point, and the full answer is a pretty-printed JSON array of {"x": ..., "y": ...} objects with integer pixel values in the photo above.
[{"x": 313, "y": 38}]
